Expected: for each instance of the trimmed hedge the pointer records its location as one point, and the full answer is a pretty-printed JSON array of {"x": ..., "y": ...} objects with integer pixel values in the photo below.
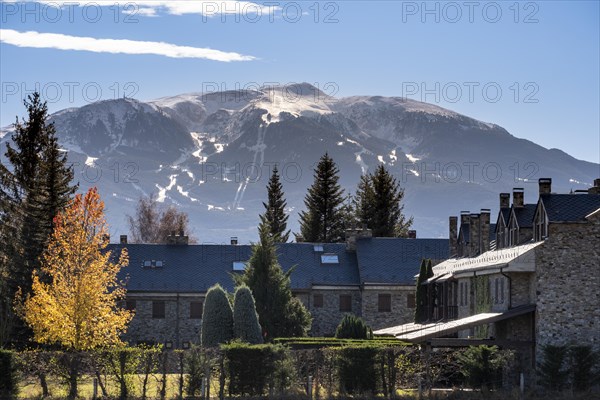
[
  {"x": 357, "y": 369},
  {"x": 9, "y": 377},
  {"x": 307, "y": 343},
  {"x": 252, "y": 369},
  {"x": 217, "y": 318}
]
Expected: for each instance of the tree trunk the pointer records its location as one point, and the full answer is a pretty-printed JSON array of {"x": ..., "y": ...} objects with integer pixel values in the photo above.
[
  {"x": 222, "y": 378},
  {"x": 73, "y": 375},
  {"x": 101, "y": 384},
  {"x": 44, "y": 385}
]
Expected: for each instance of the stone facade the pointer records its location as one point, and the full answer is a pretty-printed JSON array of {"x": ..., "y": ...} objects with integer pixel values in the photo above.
[
  {"x": 401, "y": 309},
  {"x": 327, "y": 317},
  {"x": 176, "y": 327},
  {"x": 567, "y": 280}
]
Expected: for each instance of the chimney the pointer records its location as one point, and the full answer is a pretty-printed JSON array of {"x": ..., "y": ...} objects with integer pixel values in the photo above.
[
  {"x": 180, "y": 239},
  {"x": 464, "y": 217},
  {"x": 545, "y": 185},
  {"x": 504, "y": 200},
  {"x": 352, "y": 235},
  {"x": 475, "y": 237},
  {"x": 412, "y": 234},
  {"x": 518, "y": 197},
  {"x": 234, "y": 240},
  {"x": 453, "y": 236},
  {"x": 596, "y": 188},
  {"x": 484, "y": 223},
  {"x": 123, "y": 239},
  {"x": 299, "y": 238}
]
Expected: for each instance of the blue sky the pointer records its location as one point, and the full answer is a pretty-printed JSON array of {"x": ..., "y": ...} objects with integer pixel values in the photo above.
[{"x": 531, "y": 67}]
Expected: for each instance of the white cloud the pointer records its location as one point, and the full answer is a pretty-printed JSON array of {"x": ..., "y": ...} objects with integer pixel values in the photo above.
[
  {"x": 207, "y": 8},
  {"x": 120, "y": 46}
]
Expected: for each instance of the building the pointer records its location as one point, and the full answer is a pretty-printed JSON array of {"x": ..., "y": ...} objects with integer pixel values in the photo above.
[
  {"x": 537, "y": 285},
  {"x": 369, "y": 277}
]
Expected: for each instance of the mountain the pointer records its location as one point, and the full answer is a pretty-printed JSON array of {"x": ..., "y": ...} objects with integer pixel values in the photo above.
[{"x": 211, "y": 154}]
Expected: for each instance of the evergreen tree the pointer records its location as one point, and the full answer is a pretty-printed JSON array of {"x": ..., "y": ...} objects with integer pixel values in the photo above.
[
  {"x": 275, "y": 210},
  {"x": 431, "y": 296},
  {"x": 421, "y": 295},
  {"x": 378, "y": 204},
  {"x": 33, "y": 190},
  {"x": 245, "y": 318},
  {"x": 280, "y": 313},
  {"x": 323, "y": 220},
  {"x": 217, "y": 318}
]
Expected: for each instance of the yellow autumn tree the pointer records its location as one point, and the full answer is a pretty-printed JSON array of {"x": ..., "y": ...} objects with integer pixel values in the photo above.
[{"x": 75, "y": 304}]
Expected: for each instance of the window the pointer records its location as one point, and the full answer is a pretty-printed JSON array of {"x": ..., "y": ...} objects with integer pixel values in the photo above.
[
  {"x": 410, "y": 300},
  {"x": 158, "y": 264},
  {"x": 130, "y": 305},
  {"x": 345, "y": 303},
  {"x": 318, "y": 248},
  {"x": 196, "y": 309},
  {"x": 318, "y": 300},
  {"x": 239, "y": 265},
  {"x": 147, "y": 264},
  {"x": 384, "y": 303},
  {"x": 502, "y": 291},
  {"x": 329, "y": 259},
  {"x": 158, "y": 309}
]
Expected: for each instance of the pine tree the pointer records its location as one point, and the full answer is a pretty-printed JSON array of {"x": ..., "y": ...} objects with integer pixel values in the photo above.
[
  {"x": 275, "y": 210},
  {"x": 245, "y": 319},
  {"x": 217, "y": 318},
  {"x": 378, "y": 204},
  {"x": 280, "y": 313},
  {"x": 323, "y": 220},
  {"x": 421, "y": 295},
  {"x": 32, "y": 192}
]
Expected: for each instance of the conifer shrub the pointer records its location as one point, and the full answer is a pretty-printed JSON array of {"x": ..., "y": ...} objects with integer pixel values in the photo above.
[
  {"x": 352, "y": 327},
  {"x": 245, "y": 319},
  {"x": 552, "y": 370},
  {"x": 584, "y": 362},
  {"x": 217, "y": 318}
]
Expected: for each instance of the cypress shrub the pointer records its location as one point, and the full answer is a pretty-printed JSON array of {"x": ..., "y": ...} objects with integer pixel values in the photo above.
[
  {"x": 352, "y": 327},
  {"x": 552, "y": 372},
  {"x": 217, "y": 318},
  {"x": 583, "y": 362},
  {"x": 357, "y": 369},
  {"x": 9, "y": 378},
  {"x": 245, "y": 319}
]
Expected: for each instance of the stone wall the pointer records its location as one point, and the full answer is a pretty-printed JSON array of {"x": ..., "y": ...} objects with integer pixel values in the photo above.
[
  {"x": 177, "y": 327},
  {"x": 400, "y": 312},
  {"x": 568, "y": 278},
  {"x": 521, "y": 289},
  {"x": 327, "y": 318}
]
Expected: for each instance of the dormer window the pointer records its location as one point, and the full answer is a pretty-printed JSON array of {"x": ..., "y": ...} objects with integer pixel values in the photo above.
[
  {"x": 239, "y": 265},
  {"x": 152, "y": 264},
  {"x": 318, "y": 248},
  {"x": 329, "y": 259}
]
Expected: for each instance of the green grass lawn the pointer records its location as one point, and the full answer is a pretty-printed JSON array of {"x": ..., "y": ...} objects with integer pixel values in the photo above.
[{"x": 30, "y": 388}]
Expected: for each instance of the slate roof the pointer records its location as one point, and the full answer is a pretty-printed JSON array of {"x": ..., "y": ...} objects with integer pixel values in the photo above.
[
  {"x": 525, "y": 214},
  {"x": 396, "y": 260},
  {"x": 569, "y": 207},
  {"x": 195, "y": 268},
  {"x": 504, "y": 214}
]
